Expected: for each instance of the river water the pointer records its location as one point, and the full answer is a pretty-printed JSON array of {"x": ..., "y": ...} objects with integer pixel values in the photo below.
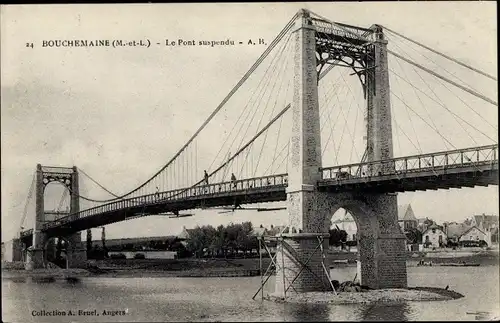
[{"x": 229, "y": 299}]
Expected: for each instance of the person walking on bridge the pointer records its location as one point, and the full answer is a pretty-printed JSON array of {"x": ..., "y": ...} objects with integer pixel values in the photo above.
[
  {"x": 205, "y": 176},
  {"x": 233, "y": 180}
]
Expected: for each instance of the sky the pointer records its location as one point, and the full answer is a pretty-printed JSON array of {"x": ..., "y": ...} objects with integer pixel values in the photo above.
[{"x": 120, "y": 114}]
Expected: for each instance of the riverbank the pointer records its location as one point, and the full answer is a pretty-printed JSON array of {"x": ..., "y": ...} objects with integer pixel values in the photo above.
[
  {"x": 372, "y": 296},
  {"x": 137, "y": 268},
  {"x": 191, "y": 267}
]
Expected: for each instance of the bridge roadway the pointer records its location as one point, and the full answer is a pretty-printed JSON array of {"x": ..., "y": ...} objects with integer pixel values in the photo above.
[{"x": 470, "y": 167}]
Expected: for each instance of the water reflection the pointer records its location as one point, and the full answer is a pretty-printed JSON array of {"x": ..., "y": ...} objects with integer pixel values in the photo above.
[
  {"x": 308, "y": 312},
  {"x": 230, "y": 299},
  {"x": 385, "y": 312}
]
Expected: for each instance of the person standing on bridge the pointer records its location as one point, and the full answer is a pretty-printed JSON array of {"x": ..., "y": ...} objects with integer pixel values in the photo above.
[
  {"x": 205, "y": 177},
  {"x": 233, "y": 180}
]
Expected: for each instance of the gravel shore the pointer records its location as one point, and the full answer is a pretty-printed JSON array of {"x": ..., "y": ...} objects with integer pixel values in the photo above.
[{"x": 372, "y": 296}]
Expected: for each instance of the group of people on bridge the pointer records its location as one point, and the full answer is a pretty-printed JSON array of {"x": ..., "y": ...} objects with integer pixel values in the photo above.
[{"x": 205, "y": 178}]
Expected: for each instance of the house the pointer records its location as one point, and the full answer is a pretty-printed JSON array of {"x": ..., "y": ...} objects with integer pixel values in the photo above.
[
  {"x": 184, "y": 235},
  {"x": 454, "y": 230},
  {"x": 485, "y": 222},
  {"x": 259, "y": 232},
  {"x": 495, "y": 236},
  {"x": 476, "y": 234},
  {"x": 406, "y": 217},
  {"x": 422, "y": 224},
  {"x": 434, "y": 237}
]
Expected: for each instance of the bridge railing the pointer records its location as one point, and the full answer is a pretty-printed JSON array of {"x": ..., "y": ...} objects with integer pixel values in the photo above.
[
  {"x": 470, "y": 157},
  {"x": 200, "y": 191},
  {"x": 434, "y": 162}
]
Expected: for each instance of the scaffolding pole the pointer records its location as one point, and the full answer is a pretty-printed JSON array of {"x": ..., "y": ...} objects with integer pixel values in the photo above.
[
  {"x": 304, "y": 265},
  {"x": 260, "y": 270}
]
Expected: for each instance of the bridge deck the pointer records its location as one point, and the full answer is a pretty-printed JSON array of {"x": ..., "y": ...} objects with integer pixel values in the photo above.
[{"x": 451, "y": 169}]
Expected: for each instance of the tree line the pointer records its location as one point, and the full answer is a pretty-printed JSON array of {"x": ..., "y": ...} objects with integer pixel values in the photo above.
[{"x": 223, "y": 241}]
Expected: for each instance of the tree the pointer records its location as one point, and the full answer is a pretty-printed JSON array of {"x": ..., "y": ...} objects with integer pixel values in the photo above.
[
  {"x": 200, "y": 240},
  {"x": 413, "y": 235}
]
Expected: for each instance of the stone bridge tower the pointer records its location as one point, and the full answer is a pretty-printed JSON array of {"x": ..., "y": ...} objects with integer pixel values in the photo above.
[
  {"x": 380, "y": 240},
  {"x": 68, "y": 177}
]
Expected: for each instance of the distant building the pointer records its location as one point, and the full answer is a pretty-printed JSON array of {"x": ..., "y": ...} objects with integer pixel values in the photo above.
[
  {"x": 476, "y": 234},
  {"x": 433, "y": 237},
  {"x": 259, "y": 231},
  {"x": 462, "y": 232},
  {"x": 454, "y": 230},
  {"x": 406, "y": 217},
  {"x": 495, "y": 236},
  {"x": 485, "y": 222}
]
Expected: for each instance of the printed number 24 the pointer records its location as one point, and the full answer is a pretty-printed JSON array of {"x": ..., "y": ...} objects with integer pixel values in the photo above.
[{"x": 29, "y": 45}]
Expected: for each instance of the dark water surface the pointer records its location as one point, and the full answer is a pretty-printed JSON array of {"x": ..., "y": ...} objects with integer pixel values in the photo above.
[{"x": 229, "y": 299}]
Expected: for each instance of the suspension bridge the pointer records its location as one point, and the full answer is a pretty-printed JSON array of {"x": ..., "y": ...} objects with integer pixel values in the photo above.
[{"x": 406, "y": 113}]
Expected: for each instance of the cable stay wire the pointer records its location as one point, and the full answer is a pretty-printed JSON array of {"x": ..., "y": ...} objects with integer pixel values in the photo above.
[
  {"x": 265, "y": 88},
  {"x": 442, "y": 54},
  {"x": 275, "y": 157},
  {"x": 444, "y": 85},
  {"x": 437, "y": 97},
  {"x": 408, "y": 61},
  {"x": 279, "y": 130},
  {"x": 332, "y": 127},
  {"x": 248, "y": 104},
  {"x": 392, "y": 41},
  {"x": 418, "y": 115},
  {"x": 235, "y": 155},
  {"x": 261, "y": 92},
  {"x": 28, "y": 200},
  {"x": 404, "y": 133},
  {"x": 345, "y": 119},
  {"x": 63, "y": 197},
  {"x": 476, "y": 94},
  {"x": 420, "y": 99},
  {"x": 409, "y": 117},
  {"x": 358, "y": 37},
  {"x": 245, "y": 160},
  {"x": 442, "y": 105},
  {"x": 285, "y": 64},
  {"x": 345, "y": 126},
  {"x": 374, "y": 43},
  {"x": 271, "y": 46}
]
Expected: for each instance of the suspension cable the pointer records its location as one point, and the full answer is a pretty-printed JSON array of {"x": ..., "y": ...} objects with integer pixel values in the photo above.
[
  {"x": 93, "y": 180},
  {"x": 212, "y": 115},
  {"x": 476, "y": 94},
  {"x": 441, "y": 54},
  {"x": 408, "y": 61}
]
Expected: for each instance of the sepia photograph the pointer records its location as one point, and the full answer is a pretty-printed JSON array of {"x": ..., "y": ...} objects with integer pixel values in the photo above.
[{"x": 222, "y": 162}]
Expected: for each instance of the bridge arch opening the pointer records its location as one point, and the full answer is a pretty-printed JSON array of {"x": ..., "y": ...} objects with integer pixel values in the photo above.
[
  {"x": 343, "y": 230},
  {"x": 56, "y": 251},
  {"x": 56, "y": 199},
  {"x": 363, "y": 226}
]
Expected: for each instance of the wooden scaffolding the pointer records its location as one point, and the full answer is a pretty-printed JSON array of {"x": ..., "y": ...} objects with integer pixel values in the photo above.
[{"x": 274, "y": 266}]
